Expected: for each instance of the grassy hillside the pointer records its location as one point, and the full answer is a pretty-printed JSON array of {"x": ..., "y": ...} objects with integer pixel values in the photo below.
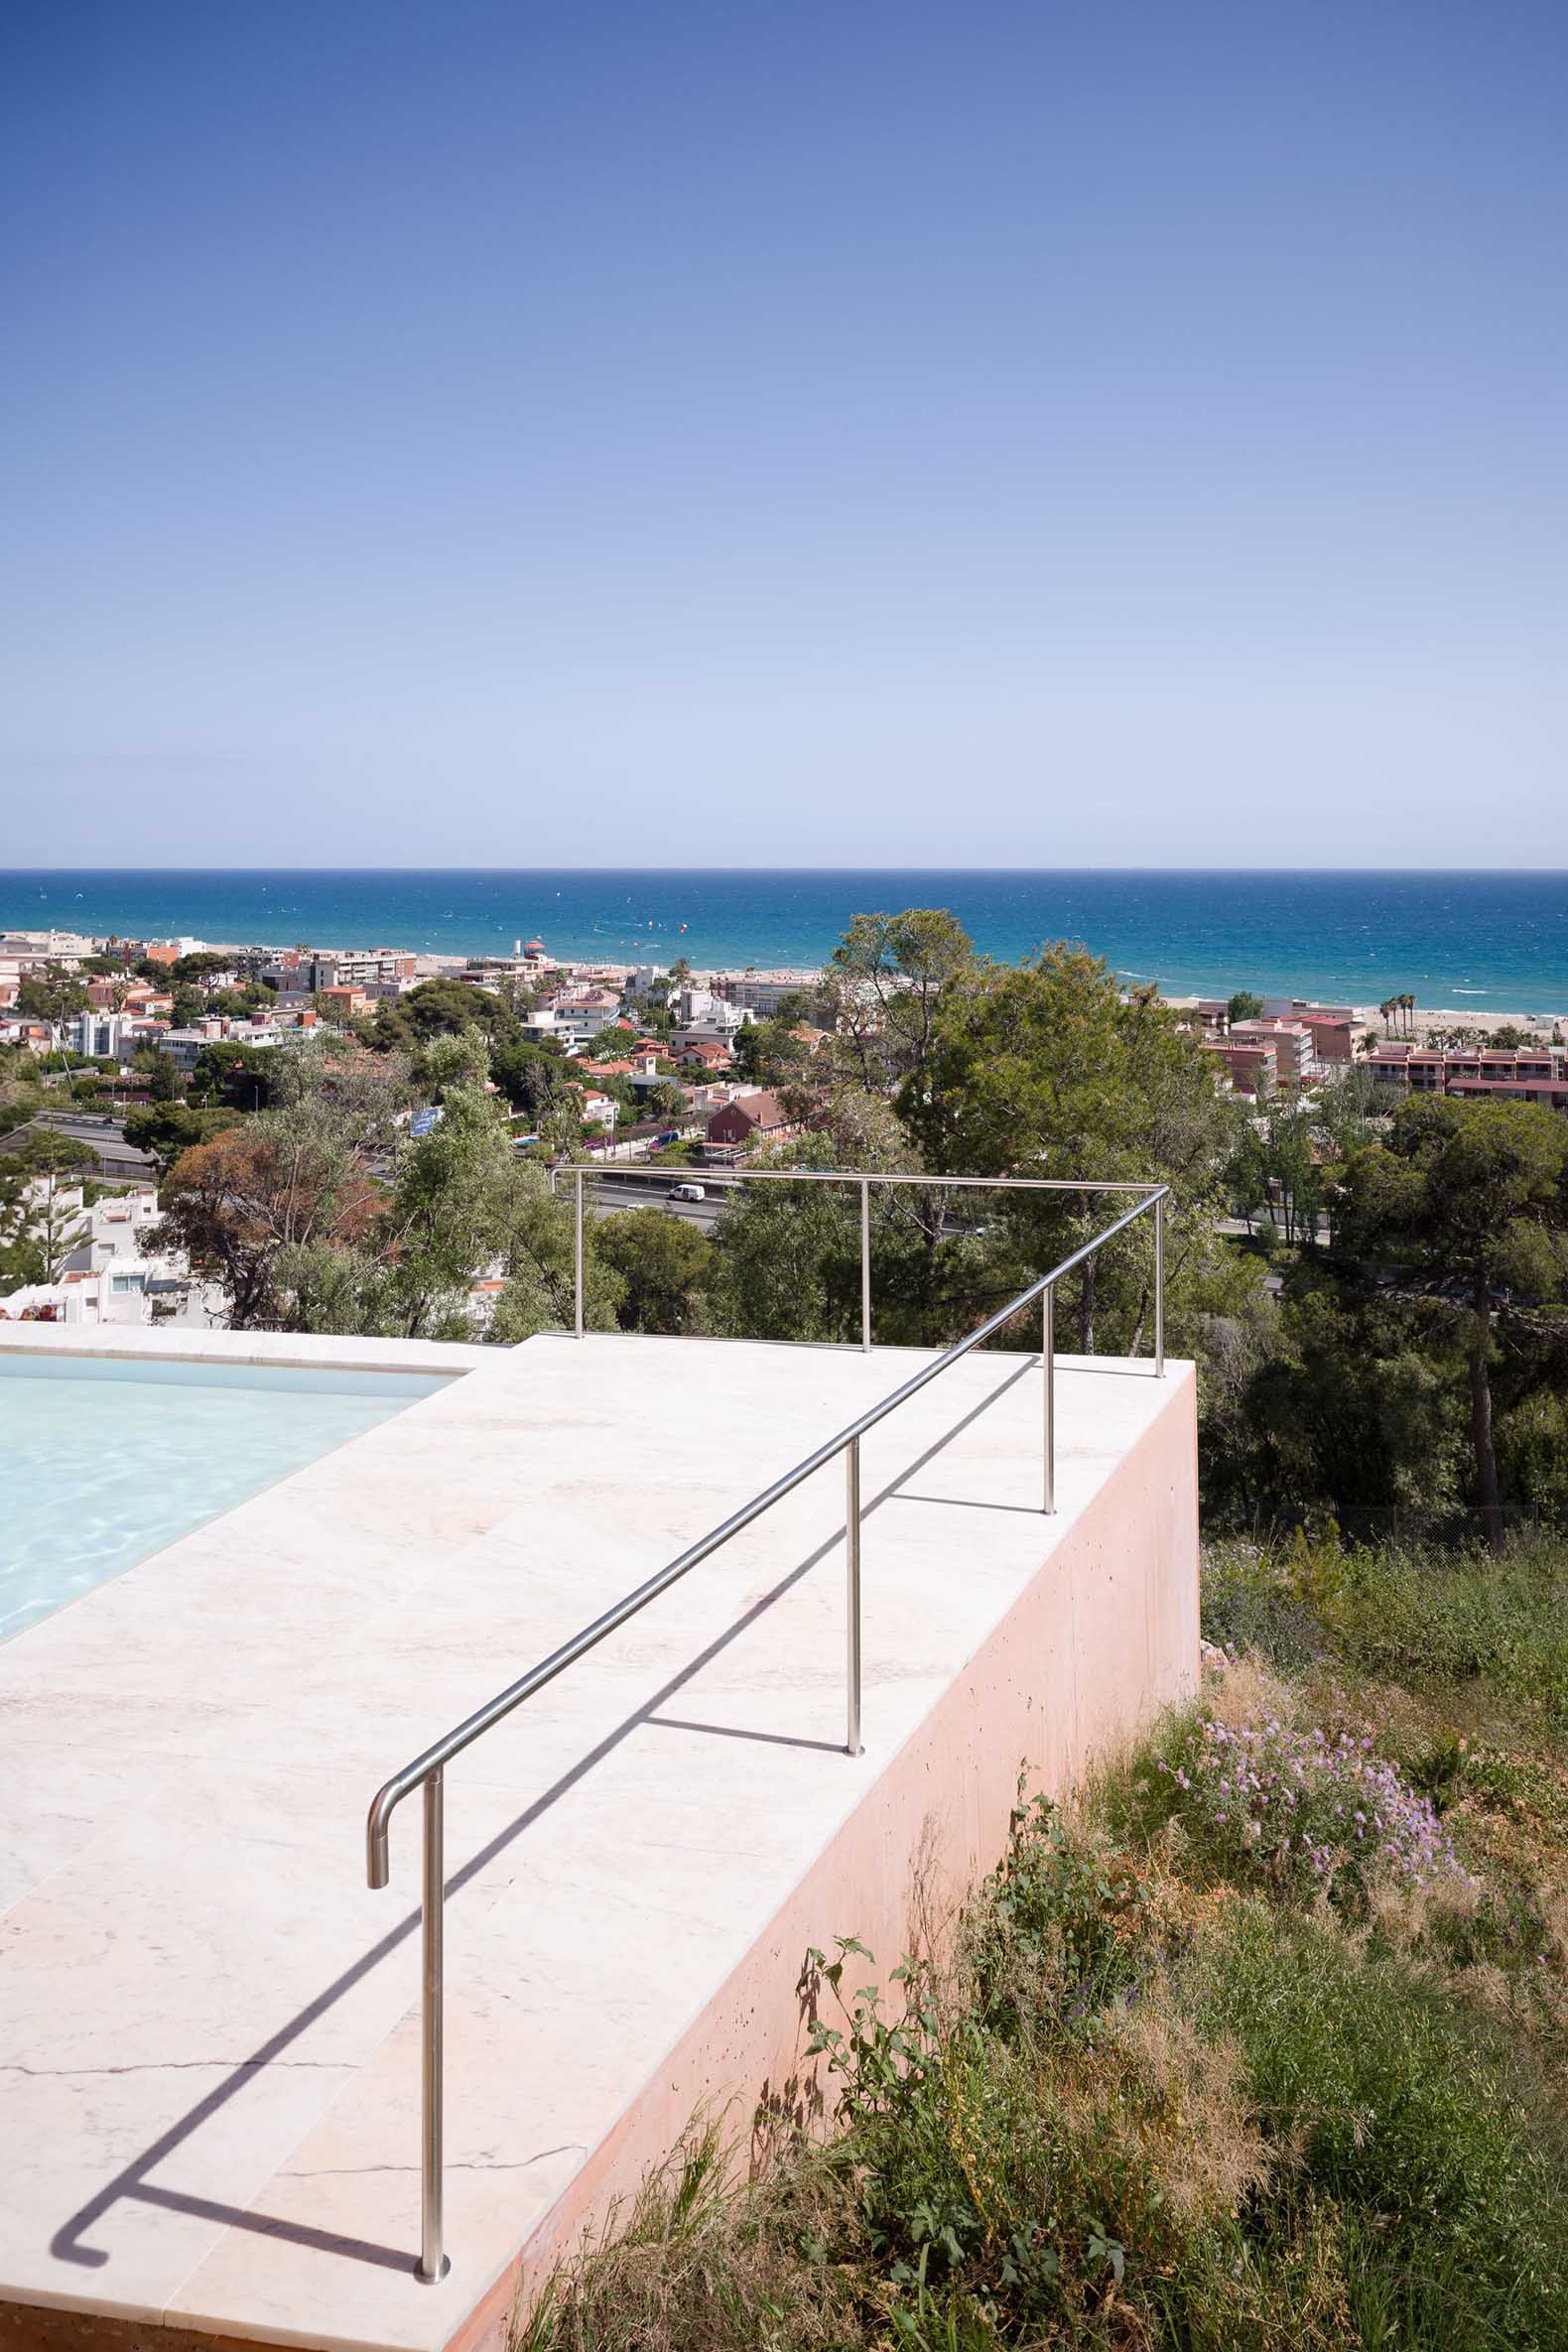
[{"x": 1264, "y": 2043}]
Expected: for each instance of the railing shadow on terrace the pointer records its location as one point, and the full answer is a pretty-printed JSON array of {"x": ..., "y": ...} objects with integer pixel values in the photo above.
[{"x": 426, "y": 1769}]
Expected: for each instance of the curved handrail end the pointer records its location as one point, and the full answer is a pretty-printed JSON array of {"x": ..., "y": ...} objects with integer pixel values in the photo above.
[{"x": 382, "y": 1806}]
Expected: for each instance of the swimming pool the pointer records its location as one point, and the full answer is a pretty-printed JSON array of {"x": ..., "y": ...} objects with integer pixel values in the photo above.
[{"x": 102, "y": 1462}]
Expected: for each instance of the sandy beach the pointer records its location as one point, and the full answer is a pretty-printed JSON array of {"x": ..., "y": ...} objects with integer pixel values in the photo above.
[{"x": 1436, "y": 1019}]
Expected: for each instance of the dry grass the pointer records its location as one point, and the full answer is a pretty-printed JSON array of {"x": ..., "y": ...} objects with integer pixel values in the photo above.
[{"x": 707, "y": 2259}]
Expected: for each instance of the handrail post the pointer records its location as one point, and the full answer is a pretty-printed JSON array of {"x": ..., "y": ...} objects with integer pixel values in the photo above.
[
  {"x": 1048, "y": 1365},
  {"x": 578, "y": 1255},
  {"x": 852, "y": 1596},
  {"x": 866, "y": 1265},
  {"x": 1159, "y": 1287},
  {"x": 433, "y": 2263}
]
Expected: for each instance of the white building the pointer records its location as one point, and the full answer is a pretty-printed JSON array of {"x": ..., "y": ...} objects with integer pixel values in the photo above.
[
  {"x": 186, "y": 1045},
  {"x": 111, "y": 1273},
  {"x": 101, "y": 1036},
  {"x": 763, "y": 993},
  {"x": 573, "y": 1024},
  {"x": 701, "y": 1017}
]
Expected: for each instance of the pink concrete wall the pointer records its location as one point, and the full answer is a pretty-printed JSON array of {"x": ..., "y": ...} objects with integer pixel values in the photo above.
[{"x": 1106, "y": 1635}]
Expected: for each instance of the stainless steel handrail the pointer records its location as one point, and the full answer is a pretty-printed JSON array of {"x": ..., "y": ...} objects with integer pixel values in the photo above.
[{"x": 427, "y": 1769}]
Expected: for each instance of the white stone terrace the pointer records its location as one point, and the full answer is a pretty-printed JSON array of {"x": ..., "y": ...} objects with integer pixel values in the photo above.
[{"x": 209, "y": 2047}]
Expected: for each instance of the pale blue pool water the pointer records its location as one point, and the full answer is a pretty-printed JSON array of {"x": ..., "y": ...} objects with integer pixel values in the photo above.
[{"x": 103, "y": 1464}]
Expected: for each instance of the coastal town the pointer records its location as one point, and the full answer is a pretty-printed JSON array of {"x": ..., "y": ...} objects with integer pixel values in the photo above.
[{"x": 135, "y": 1046}]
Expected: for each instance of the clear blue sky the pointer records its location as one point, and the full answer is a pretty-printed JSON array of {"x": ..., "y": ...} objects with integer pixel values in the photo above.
[{"x": 715, "y": 433}]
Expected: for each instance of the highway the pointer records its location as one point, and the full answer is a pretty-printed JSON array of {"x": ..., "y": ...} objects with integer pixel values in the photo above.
[
  {"x": 117, "y": 1159},
  {"x": 614, "y": 1190},
  {"x": 606, "y": 1193}
]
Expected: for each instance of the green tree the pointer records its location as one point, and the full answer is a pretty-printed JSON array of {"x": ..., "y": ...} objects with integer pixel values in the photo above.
[
  {"x": 235, "y": 1075},
  {"x": 787, "y": 1260},
  {"x": 664, "y": 1101},
  {"x": 1045, "y": 1069},
  {"x": 610, "y": 1044},
  {"x": 771, "y": 1054},
  {"x": 444, "y": 1007},
  {"x": 884, "y": 982},
  {"x": 1468, "y": 1204},
  {"x": 664, "y": 1262},
  {"x": 451, "y": 1213},
  {"x": 1532, "y": 1447},
  {"x": 1342, "y": 1409},
  {"x": 1245, "y": 1007},
  {"x": 195, "y": 970},
  {"x": 787, "y": 1257},
  {"x": 540, "y": 1266},
  {"x": 1291, "y": 1158},
  {"x": 320, "y": 1213},
  {"x": 341, "y": 1286},
  {"x": 242, "y": 1202},
  {"x": 526, "y": 1067},
  {"x": 22, "y": 1096},
  {"x": 166, "y": 1129},
  {"x": 537, "y": 1079},
  {"x": 455, "y": 1059},
  {"x": 1248, "y": 1175},
  {"x": 1346, "y": 1112},
  {"x": 50, "y": 995},
  {"x": 40, "y": 1218},
  {"x": 162, "y": 1072}
]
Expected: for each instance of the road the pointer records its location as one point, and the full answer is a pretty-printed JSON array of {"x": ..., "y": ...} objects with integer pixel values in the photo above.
[
  {"x": 606, "y": 1193},
  {"x": 617, "y": 1190},
  {"x": 117, "y": 1159},
  {"x": 1236, "y": 1229}
]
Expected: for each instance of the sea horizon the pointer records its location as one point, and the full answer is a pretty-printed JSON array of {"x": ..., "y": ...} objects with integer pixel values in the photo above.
[{"x": 1479, "y": 940}]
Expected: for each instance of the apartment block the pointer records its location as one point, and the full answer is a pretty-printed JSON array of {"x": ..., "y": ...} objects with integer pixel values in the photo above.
[{"x": 1531, "y": 1074}]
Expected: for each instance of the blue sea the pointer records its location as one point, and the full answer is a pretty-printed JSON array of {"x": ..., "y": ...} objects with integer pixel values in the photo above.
[{"x": 1482, "y": 942}]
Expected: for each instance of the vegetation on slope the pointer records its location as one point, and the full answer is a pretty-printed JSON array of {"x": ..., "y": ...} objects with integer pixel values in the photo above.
[{"x": 1263, "y": 2043}]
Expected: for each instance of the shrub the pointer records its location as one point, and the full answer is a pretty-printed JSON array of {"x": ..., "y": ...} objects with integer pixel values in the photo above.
[
  {"x": 1428, "y": 1619},
  {"x": 1410, "y": 2114},
  {"x": 1054, "y": 1933},
  {"x": 1302, "y": 1807},
  {"x": 1250, "y": 1603}
]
